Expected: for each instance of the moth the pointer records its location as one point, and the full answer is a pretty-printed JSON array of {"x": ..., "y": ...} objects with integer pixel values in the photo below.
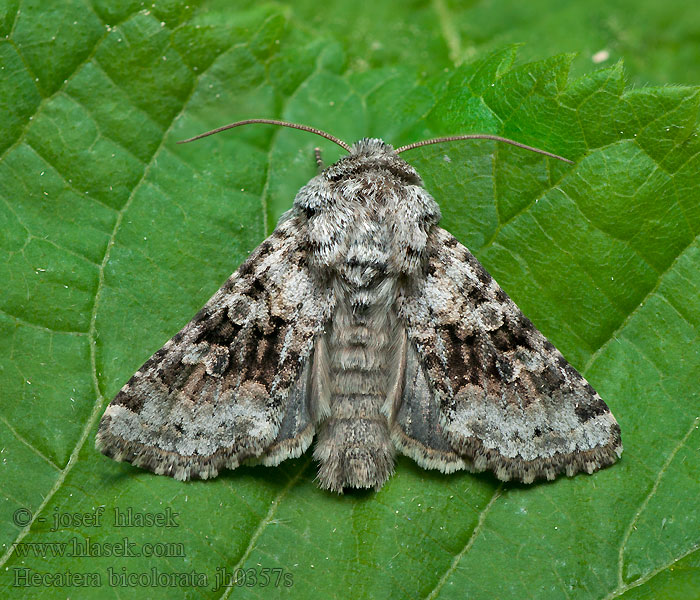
[{"x": 361, "y": 322}]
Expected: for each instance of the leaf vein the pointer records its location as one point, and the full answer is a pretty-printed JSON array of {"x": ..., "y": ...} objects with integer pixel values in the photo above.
[
  {"x": 265, "y": 521},
  {"x": 28, "y": 444},
  {"x": 645, "y": 502},
  {"x": 475, "y": 534}
]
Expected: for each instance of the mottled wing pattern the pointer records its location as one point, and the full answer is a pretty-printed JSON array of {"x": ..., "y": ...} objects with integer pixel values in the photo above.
[
  {"x": 233, "y": 384},
  {"x": 504, "y": 397},
  {"x": 416, "y": 427}
]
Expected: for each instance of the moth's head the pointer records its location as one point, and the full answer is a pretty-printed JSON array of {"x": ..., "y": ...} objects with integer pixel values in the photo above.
[
  {"x": 372, "y": 154},
  {"x": 370, "y": 147}
]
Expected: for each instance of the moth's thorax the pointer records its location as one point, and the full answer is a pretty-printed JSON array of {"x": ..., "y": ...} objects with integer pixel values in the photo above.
[{"x": 367, "y": 214}]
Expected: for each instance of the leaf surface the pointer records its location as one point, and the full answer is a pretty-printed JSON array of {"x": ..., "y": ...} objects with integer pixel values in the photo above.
[{"x": 112, "y": 237}]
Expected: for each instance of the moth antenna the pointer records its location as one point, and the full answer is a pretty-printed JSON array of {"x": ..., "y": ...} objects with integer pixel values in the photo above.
[
  {"x": 480, "y": 136},
  {"x": 328, "y": 136}
]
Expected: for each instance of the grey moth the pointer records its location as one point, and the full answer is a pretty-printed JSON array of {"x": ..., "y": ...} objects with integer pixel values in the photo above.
[{"x": 361, "y": 322}]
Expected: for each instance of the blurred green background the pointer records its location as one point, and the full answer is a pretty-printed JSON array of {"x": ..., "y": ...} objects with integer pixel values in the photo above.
[{"x": 659, "y": 41}]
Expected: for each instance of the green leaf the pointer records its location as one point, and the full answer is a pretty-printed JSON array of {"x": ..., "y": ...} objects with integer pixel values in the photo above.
[{"x": 112, "y": 237}]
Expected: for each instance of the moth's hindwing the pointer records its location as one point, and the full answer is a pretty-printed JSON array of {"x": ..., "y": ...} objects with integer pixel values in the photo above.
[
  {"x": 483, "y": 385},
  {"x": 233, "y": 384}
]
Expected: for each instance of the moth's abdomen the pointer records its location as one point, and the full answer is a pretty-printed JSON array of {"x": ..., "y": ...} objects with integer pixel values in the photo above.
[
  {"x": 355, "y": 451},
  {"x": 354, "y": 446}
]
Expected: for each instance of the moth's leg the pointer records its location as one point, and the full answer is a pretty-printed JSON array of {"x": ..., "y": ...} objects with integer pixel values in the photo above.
[{"x": 319, "y": 160}]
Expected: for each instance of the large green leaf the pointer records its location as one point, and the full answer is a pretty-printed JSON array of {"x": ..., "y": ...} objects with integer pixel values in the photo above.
[{"x": 111, "y": 238}]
